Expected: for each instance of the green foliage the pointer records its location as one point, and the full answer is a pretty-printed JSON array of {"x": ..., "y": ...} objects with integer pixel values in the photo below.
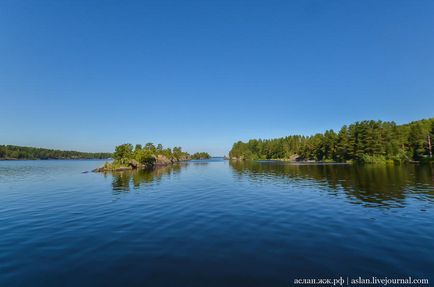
[
  {"x": 365, "y": 141},
  {"x": 376, "y": 159},
  {"x": 200, "y": 155},
  {"x": 147, "y": 154},
  {"x": 123, "y": 153},
  {"x": 178, "y": 154},
  {"x": 113, "y": 165},
  {"x": 21, "y": 152}
]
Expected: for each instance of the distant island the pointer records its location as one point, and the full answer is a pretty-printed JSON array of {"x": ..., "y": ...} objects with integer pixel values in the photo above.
[
  {"x": 362, "y": 142},
  {"x": 127, "y": 157},
  {"x": 12, "y": 152},
  {"x": 200, "y": 155}
]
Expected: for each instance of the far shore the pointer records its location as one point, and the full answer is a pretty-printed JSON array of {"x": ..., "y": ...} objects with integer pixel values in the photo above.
[
  {"x": 312, "y": 162},
  {"x": 35, "y": 159}
]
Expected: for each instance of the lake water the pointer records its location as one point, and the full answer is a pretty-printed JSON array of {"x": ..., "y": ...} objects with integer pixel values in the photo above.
[{"x": 213, "y": 223}]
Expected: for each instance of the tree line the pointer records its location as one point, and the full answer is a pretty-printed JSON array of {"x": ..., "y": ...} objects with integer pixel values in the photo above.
[
  {"x": 21, "y": 152},
  {"x": 364, "y": 141},
  {"x": 147, "y": 154}
]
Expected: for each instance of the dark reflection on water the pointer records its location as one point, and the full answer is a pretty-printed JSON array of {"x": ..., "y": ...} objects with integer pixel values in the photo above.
[
  {"x": 125, "y": 180},
  {"x": 370, "y": 185}
]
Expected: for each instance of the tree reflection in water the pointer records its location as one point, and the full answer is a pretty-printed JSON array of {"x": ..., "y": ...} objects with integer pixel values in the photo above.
[
  {"x": 370, "y": 185},
  {"x": 124, "y": 180}
]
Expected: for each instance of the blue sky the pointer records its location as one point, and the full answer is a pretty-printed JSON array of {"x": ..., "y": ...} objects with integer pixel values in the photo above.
[{"x": 88, "y": 75}]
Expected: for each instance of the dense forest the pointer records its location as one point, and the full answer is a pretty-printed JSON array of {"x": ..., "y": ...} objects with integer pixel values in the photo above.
[
  {"x": 200, "y": 155},
  {"x": 20, "y": 152},
  {"x": 365, "y": 141}
]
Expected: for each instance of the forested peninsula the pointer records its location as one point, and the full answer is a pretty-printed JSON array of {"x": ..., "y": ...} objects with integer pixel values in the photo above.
[
  {"x": 363, "y": 142},
  {"x": 12, "y": 152},
  {"x": 127, "y": 157}
]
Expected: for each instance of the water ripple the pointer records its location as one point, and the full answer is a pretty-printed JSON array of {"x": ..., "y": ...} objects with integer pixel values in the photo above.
[{"x": 212, "y": 224}]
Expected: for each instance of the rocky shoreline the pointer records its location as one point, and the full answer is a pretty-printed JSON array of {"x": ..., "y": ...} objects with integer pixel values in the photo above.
[{"x": 158, "y": 161}]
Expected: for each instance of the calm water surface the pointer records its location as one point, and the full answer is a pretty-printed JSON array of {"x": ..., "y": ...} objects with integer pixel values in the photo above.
[{"x": 212, "y": 223}]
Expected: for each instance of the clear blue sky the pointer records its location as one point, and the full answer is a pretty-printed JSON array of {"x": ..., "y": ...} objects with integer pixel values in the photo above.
[{"x": 88, "y": 75}]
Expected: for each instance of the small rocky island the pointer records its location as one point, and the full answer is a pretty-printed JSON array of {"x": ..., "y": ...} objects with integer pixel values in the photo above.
[{"x": 127, "y": 157}]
